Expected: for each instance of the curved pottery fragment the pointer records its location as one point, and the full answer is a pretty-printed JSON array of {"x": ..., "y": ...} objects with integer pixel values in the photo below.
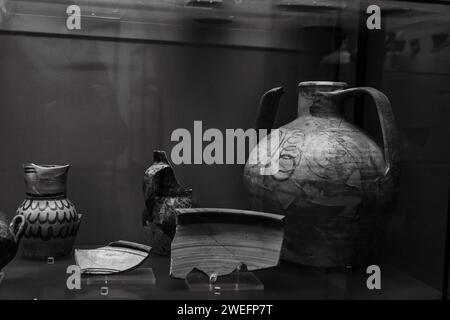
[
  {"x": 163, "y": 194},
  {"x": 218, "y": 241},
  {"x": 116, "y": 257}
]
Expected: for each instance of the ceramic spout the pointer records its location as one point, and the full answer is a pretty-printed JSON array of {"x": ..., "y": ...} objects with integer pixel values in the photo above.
[{"x": 160, "y": 156}]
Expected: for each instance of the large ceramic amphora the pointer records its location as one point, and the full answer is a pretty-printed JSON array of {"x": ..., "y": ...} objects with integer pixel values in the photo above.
[
  {"x": 335, "y": 185},
  {"x": 52, "y": 220}
]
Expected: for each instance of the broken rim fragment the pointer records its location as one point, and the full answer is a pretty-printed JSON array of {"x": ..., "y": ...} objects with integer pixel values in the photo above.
[{"x": 218, "y": 241}]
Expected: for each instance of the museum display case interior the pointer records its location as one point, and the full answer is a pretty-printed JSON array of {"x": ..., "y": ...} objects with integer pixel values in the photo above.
[{"x": 364, "y": 175}]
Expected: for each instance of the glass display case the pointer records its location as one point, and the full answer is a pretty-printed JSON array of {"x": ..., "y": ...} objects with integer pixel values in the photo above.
[{"x": 101, "y": 84}]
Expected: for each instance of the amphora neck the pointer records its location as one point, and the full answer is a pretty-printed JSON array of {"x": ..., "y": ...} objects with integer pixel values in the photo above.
[{"x": 309, "y": 103}]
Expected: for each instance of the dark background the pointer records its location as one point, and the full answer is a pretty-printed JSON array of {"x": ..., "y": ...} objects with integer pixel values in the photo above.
[{"x": 103, "y": 105}]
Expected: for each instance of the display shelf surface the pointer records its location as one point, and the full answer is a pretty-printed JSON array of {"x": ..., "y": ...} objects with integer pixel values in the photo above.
[
  {"x": 140, "y": 276},
  {"x": 25, "y": 279}
]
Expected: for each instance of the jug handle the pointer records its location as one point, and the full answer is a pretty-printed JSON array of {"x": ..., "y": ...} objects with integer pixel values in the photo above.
[
  {"x": 387, "y": 121},
  {"x": 17, "y": 227},
  {"x": 268, "y": 107}
]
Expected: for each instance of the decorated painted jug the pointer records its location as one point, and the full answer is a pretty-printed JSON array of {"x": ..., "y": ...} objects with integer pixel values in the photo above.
[
  {"x": 333, "y": 183},
  {"x": 52, "y": 220}
]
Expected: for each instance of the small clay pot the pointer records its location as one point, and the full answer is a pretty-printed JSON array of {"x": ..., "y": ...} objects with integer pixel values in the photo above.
[{"x": 10, "y": 236}]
